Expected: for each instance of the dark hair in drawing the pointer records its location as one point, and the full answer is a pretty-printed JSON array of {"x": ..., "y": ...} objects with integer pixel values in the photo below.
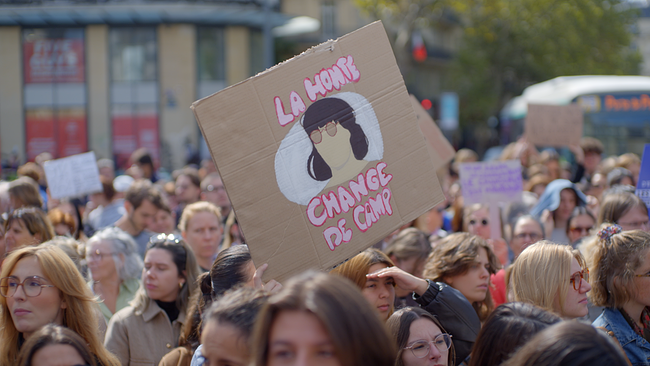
[{"x": 318, "y": 115}]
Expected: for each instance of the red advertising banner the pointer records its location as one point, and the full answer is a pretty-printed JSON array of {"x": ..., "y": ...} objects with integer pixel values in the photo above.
[
  {"x": 39, "y": 132},
  {"x": 71, "y": 128},
  {"x": 132, "y": 132},
  {"x": 54, "y": 60}
]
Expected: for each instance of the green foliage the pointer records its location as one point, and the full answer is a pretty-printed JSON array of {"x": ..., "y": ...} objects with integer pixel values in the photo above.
[{"x": 510, "y": 44}]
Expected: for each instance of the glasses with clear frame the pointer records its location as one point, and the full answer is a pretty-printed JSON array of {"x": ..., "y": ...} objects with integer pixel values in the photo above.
[
  {"x": 32, "y": 286},
  {"x": 421, "y": 348}
]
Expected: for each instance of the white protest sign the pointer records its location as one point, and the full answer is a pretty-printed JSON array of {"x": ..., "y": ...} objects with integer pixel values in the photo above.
[{"x": 73, "y": 176}]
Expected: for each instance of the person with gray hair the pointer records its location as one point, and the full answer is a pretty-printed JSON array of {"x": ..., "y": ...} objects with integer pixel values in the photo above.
[{"x": 115, "y": 269}]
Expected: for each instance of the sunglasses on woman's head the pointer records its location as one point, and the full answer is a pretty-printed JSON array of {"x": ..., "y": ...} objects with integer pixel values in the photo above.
[{"x": 317, "y": 136}]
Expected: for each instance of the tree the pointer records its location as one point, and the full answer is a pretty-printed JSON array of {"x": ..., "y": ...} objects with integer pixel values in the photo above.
[{"x": 508, "y": 45}]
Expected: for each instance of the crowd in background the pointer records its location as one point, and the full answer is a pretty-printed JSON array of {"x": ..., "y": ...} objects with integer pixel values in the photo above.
[{"x": 154, "y": 270}]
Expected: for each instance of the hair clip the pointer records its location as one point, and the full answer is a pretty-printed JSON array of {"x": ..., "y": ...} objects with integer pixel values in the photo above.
[{"x": 606, "y": 233}]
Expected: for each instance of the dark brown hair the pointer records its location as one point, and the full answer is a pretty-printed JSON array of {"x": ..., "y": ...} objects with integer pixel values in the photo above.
[
  {"x": 399, "y": 326},
  {"x": 508, "y": 328},
  {"x": 52, "y": 335},
  {"x": 453, "y": 256},
  {"x": 569, "y": 343},
  {"x": 358, "y": 336},
  {"x": 142, "y": 190}
]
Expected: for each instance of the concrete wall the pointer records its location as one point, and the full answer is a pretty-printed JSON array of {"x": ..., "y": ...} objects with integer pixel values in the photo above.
[
  {"x": 99, "y": 126},
  {"x": 237, "y": 54},
  {"x": 177, "y": 70},
  {"x": 12, "y": 126}
]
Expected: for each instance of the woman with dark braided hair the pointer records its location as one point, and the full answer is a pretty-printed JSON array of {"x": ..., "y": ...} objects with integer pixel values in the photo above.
[{"x": 620, "y": 280}]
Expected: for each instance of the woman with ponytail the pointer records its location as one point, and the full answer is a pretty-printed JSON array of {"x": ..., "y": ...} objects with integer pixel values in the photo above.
[{"x": 620, "y": 281}]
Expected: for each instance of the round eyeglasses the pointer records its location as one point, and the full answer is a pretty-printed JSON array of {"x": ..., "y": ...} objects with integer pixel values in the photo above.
[
  {"x": 577, "y": 278},
  {"x": 421, "y": 348},
  {"x": 317, "y": 136},
  {"x": 32, "y": 286}
]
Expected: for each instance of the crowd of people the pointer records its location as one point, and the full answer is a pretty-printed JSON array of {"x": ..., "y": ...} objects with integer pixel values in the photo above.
[{"x": 155, "y": 271}]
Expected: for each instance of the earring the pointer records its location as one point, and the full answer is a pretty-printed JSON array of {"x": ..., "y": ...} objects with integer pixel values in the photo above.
[{"x": 180, "y": 285}]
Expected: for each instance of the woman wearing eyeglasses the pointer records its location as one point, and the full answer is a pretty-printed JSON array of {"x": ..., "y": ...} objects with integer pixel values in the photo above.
[
  {"x": 624, "y": 209},
  {"x": 141, "y": 334},
  {"x": 553, "y": 277},
  {"x": 580, "y": 224},
  {"x": 54, "y": 343},
  {"x": 421, "y": 339},
  {"x": 476, "y": 221},
  {"x": 115, "y": 269},
  {"x": 41, "y": 285},
  {"x": 339, "y": 144},
  {"x": 621, "y": 283}
]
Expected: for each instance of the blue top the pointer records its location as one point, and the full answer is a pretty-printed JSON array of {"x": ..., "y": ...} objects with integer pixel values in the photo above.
[
  {"x": 636, "y": 347},
  {"x": 550, "y": 199},
  {"x": 197, "y": 358}
]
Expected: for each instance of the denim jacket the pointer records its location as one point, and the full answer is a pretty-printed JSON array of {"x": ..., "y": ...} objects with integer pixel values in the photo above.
[{"x": 636, "y": 347}]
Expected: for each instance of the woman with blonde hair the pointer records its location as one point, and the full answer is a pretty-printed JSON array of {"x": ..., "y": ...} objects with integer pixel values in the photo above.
[
  {"x": 380, "y": 292},
  {"x": 142, "y": 333},
  {"x": 41, "y": 285},
  {"x": 620, "y": 280},
  {"x": 201, "y": 228},
  {"x": 27, "y": 226},
  {"x": 553, "y": 277},
  {"x": 320, "y": 319}
]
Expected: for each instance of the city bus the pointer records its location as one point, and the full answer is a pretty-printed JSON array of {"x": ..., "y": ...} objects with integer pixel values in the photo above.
[{"x": 616, "y": 108}]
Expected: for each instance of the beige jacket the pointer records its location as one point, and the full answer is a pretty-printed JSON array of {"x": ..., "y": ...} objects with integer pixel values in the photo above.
[{"x": 142, "y": 339}]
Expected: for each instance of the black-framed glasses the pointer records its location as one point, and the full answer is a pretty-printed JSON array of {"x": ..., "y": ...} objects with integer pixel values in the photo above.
[
  {"x": 32, "y": 286},
  {"x": 420, "y": 349},
  {"x": 483, "y": 222},
  {"x": 317, "y": 136},
  {"x": 577, "y": 278}
]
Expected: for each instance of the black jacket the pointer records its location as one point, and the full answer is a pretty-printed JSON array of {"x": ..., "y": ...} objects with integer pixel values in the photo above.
[{"x": 455, "y": 313}]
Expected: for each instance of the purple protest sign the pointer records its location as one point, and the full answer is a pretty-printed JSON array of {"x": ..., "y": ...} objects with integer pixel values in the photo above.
[
  {"x": 491, "y": 182},
  {"x": 643, "y": 184}
]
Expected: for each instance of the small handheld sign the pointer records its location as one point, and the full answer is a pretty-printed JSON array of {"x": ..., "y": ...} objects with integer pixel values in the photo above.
[
  {"x": 643, "y": 184},
  {"x": 73, "y": 176}
]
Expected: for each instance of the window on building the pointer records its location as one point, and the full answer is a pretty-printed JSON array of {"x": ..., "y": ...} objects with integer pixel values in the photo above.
[
  {"x": 211, "y": 68},
  {"x": 328, "y": 14},
  {"x": 54, "y": 91},
  {"x": 134, "y": 92}
]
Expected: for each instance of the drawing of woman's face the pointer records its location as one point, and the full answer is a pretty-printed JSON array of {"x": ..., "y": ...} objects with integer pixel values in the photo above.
[{"x": 335, "y": 150}]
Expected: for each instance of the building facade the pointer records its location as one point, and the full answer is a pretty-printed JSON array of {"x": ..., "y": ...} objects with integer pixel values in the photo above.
[{"x": 112, "y": 76}]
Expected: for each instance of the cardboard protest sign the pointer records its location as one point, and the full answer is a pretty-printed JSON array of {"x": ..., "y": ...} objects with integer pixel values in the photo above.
[
  {"x": 554, "y": 125},
  {"x": 440, "y": 149},
  {"x": 643, "y": 183},
  {"x": 320, "y": 155},
  {"x": 491, "y": 183},
  {"x": 73, "y": 176}
]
